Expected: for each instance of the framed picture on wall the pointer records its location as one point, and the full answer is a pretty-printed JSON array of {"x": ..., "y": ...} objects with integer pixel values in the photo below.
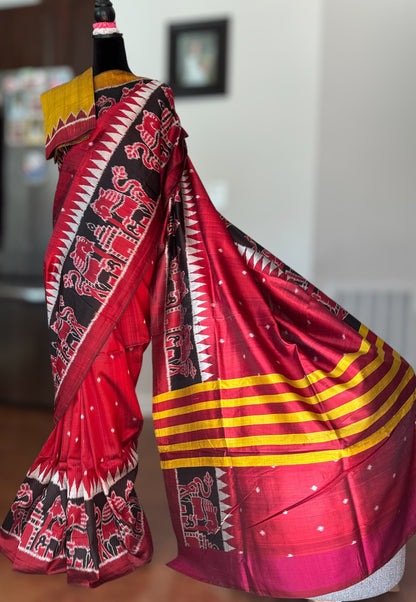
[{"x": 197, "y": 57}]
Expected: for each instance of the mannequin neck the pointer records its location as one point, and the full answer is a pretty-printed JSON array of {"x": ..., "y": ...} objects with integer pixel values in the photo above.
[{"x": 109, "y": 54}]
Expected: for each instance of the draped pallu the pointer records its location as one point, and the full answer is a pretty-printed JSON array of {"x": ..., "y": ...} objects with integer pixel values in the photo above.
[{"x": 285, "y": 427}]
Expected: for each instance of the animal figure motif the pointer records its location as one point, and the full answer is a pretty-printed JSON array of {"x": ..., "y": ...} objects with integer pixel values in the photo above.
[
  {"x": 92, "y": 277},
  {"x": 197, "y": 509},
  {"x": 158, "y": 136}
]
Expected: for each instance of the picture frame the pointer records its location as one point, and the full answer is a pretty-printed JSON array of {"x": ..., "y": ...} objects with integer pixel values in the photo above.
[{"x": 198, "y": 57}]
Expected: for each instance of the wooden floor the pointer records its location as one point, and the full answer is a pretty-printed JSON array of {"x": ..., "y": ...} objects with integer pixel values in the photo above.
[{"x": 22, "y": 433}]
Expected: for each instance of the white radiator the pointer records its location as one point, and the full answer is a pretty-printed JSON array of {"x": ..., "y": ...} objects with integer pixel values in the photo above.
[{"x": 389, "y": 313}]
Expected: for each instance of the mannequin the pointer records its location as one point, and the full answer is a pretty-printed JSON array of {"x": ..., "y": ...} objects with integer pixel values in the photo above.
[
  {"x": 136, "y": 255},
  {"x": 109, "y": 49}
]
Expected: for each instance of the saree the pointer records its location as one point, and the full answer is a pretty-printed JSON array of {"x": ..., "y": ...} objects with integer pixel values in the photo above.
[{"x": 285, "y": 427}]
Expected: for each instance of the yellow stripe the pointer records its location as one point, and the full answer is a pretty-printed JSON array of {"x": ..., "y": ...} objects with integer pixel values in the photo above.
[
  {"x": 296, "y": 459},
  {"x": 277, "y": 398},
  {"x": 109, "y": 79},
  {"x": 270, "y": 379},
  {"x": 286, "y": 418},
  {"x": 292, "y": 439}
]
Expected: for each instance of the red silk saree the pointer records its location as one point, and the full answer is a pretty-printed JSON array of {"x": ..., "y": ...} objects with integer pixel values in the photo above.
[{"x": 285, "y": 427}]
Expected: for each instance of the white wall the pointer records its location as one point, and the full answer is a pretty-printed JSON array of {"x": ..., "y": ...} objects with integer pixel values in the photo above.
[
  {"x": 365, "y": 219},
  {"x": 17, "y": 3},
  {"x": 260, "y": 138},
  {"x": 366, "y": 193}
]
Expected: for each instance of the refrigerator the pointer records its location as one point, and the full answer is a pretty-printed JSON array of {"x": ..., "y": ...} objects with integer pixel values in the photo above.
[{"x": 27, "y": 188}]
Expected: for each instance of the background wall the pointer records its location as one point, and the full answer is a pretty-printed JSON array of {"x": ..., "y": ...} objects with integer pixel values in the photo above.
[
  {"x": 365, "y": 201},
  {"x": 364, "y": 210},
  {"x": 260, "y": 139}
]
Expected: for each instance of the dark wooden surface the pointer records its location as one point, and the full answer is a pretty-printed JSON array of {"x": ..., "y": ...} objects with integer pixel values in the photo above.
[
  {"x": 55, "y": 32},
  {"x": 25, "y": 368},
  {"x": 22, "y": 433}
]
